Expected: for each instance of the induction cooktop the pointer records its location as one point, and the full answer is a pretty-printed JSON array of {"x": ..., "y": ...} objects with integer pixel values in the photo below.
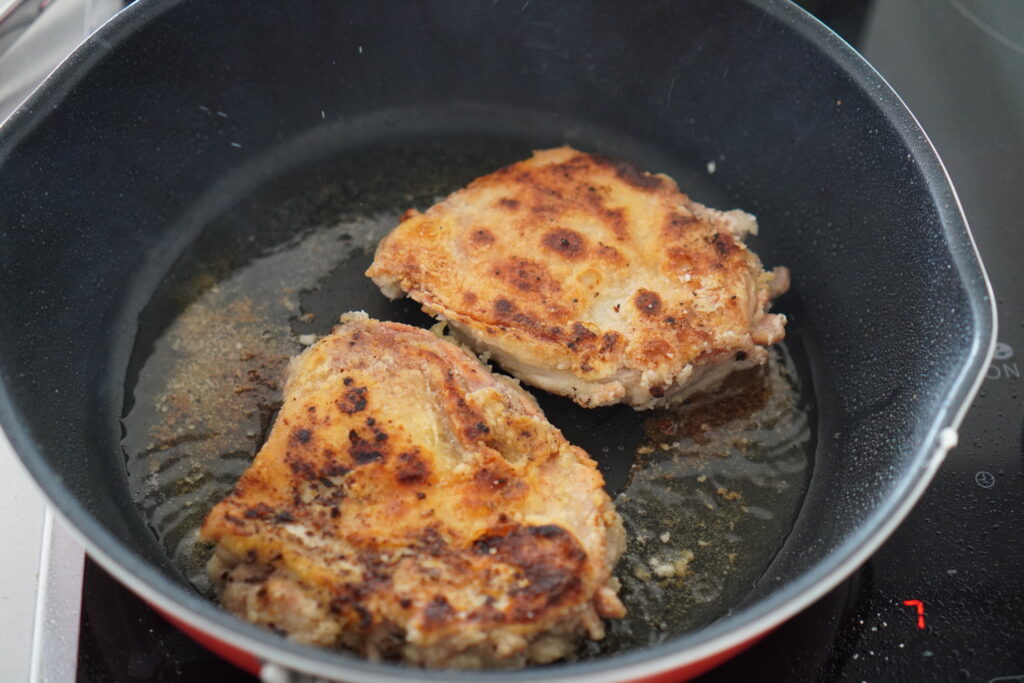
[{"x": 943, "y": 599}]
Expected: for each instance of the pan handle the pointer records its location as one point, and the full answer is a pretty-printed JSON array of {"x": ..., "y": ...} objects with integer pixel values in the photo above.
[
  {"x": 15, "y": 17},
  {"x": 272, "y": 672}
]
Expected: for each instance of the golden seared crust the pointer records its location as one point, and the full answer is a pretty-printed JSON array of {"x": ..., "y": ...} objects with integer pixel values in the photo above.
[
  {"x": 584, "y": 276},
  {"x": 410, "y": 504}
]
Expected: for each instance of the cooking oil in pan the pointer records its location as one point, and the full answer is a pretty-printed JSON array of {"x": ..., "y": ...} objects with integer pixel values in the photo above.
[
  {"x": 714, "y": 489},
  {"x": 707, "y": 491}
]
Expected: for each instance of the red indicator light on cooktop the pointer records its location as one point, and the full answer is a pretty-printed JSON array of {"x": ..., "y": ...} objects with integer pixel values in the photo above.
[{"x": 920, "y": 610}]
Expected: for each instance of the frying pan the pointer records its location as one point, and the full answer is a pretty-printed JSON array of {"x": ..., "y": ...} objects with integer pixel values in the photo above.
[{"x": 113, "y": 168}]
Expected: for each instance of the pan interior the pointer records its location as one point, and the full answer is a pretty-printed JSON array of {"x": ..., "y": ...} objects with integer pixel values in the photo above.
[{"x": 708, "y": 492}]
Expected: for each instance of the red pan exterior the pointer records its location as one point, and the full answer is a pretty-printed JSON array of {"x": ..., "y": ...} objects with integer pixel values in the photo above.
[{"x": 252, "y": 664}]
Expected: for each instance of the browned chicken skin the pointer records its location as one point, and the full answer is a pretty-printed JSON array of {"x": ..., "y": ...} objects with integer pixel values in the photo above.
[
  {"x": 586, "y": 277},
  {"x": 410, "y": 504}
]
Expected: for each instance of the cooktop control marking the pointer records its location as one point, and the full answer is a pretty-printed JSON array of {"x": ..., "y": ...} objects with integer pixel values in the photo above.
[
  {"x": 1003, "y": 366},
  {"x": 920, "y": 610}
]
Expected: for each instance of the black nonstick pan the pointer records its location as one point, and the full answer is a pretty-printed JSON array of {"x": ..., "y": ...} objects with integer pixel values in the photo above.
[{"x": 186, "y": 140}]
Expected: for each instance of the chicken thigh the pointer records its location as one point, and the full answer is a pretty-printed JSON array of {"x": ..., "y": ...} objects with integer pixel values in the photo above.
[
  {"x": 586, "y": 277},
  {"x": 409, "y": 504}
]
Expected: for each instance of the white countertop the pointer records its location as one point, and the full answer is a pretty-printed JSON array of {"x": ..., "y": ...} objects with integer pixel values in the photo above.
[
  {"x": 22, "y": 512},
  {"x": 40, "y": 582}
]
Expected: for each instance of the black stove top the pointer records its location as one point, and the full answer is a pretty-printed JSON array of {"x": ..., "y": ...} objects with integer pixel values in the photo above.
[{"x": 944, "y": 598}]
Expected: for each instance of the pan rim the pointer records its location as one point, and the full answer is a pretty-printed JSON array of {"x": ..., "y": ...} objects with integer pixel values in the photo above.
[{"x": 676, "y": 653}]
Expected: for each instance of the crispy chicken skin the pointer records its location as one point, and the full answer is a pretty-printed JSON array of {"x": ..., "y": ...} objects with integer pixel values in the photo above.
[
  {"x": 409, "y": 504},
  {"x": 588, "y": 278}
]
